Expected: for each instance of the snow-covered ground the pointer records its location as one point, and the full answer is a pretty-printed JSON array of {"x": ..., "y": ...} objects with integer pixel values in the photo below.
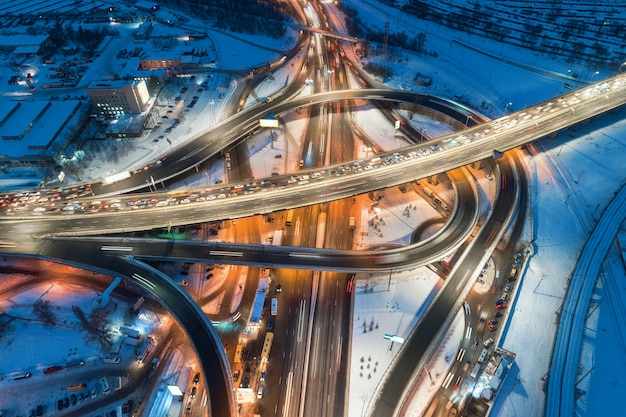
[{"x": 572, "y": 178}]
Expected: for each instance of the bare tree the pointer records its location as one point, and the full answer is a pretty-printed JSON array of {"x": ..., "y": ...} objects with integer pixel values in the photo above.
[{"x": 43, "y": 311}]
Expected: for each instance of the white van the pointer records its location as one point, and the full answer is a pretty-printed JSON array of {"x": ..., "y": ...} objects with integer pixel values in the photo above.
[{"x": 259, "y": 394}]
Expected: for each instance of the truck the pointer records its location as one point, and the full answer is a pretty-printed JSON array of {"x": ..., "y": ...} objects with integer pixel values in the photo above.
[{"x": 352, "y": 223}]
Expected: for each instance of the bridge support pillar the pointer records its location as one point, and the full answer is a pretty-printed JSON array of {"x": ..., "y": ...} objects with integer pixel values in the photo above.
[{"x": 103, "y": 299}]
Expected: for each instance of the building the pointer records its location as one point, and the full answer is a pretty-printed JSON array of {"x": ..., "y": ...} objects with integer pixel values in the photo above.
[
  {"x": 22, "y": 43},
  {"x": 164, "y": 62},
  {"x": 143, "y": 31},
  {"x": 28, "y": 130},
  {"x": 146, "y": 6},
  {"x": 119, "y": 97}
]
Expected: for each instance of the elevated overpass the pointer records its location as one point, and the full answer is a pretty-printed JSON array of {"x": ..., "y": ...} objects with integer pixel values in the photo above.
[{"x": 458, "y": 149}]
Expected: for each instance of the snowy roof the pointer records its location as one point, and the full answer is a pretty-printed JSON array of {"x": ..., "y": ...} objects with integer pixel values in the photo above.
[
  {"x": 22, "y": 40},
  {"x": 51, "y": 123},
  {"x": 20, "y": 121},
  {"x": 36, "y": 124},
  {"x": 110, "y": 84},
  {"x": 27, "y": 49}
]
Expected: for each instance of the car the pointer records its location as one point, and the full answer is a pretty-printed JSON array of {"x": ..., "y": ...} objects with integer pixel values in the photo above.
[
  {"x": 93, "y": 393},
  {"x": 196, "y": 378},
  {"x": 270, "y": 325},
  {"x": 60, "y": 404},
  {"x": 498, "y": 302},
  {"x": 184, "y": 272},
  {"x": 501, "y": 306},
  {"x": 493, "y": 322},
  {"x": 66, "y": 402},
  {"x": 475, "y": 344},
  {"x": 279, "y": 288},
  {"x": 236, "y": 375},
  {"x": 488, "y": 342},
  {"x": 511, "y": 279},
  {"x": 262, "y": 376},
  {"x": 209, "y": 276},
  {"x": 492, "y": 328},
  {"x": 497, "y": 314},
  {"x": 504, "y": 295},
  {"x": 193, "y": 392},
  {"x": 73, "y": 399},
  {"x": 39, "y": 410},
  {"x": 507, "y": 288}
]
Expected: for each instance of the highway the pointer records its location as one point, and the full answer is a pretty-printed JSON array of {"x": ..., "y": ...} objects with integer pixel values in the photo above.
[
  {"x": 419, "y": 344},
  {"x": 27, "y": 227},
  {"x": 455, "y": 150}
]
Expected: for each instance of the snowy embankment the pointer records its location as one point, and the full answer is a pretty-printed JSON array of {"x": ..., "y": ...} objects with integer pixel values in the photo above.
[{"x": 566, "y": 355}]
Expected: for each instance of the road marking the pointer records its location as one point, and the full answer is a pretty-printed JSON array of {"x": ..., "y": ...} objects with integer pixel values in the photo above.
[
  {"x": 117, "y": 248},
  {"x": 143, "y": 280}
]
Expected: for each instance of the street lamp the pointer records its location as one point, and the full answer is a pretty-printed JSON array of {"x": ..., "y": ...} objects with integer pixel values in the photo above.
[
  {"x": 469, "y": 116},
  {"x": 507, "y": 106},
  {"x": 620, "y": 67}
]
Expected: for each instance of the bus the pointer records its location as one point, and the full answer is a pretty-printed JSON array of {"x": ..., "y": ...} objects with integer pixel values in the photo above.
[
  {"x": 289, "y": 217},
  {"x": 274, "y": 306},
  {"x": 77, "y": 387},
  {"x": 238, "y": 353},
  {"x": 267, "y": 346}
]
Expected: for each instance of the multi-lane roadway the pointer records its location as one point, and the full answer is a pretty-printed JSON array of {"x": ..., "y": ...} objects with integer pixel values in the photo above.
[{"x": 331, "y": 183}]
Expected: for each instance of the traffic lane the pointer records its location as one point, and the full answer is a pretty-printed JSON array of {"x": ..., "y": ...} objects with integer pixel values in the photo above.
[
  {"x": 198, "y": 327},
  {"x": 417, "y": 344}
]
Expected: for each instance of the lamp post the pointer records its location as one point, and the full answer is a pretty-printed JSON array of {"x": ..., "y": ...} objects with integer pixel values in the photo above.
[
  {"x": 469, "y": 116},
  {"x": 507, "y": 106},
  {"x": 620, "y": 67}
]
